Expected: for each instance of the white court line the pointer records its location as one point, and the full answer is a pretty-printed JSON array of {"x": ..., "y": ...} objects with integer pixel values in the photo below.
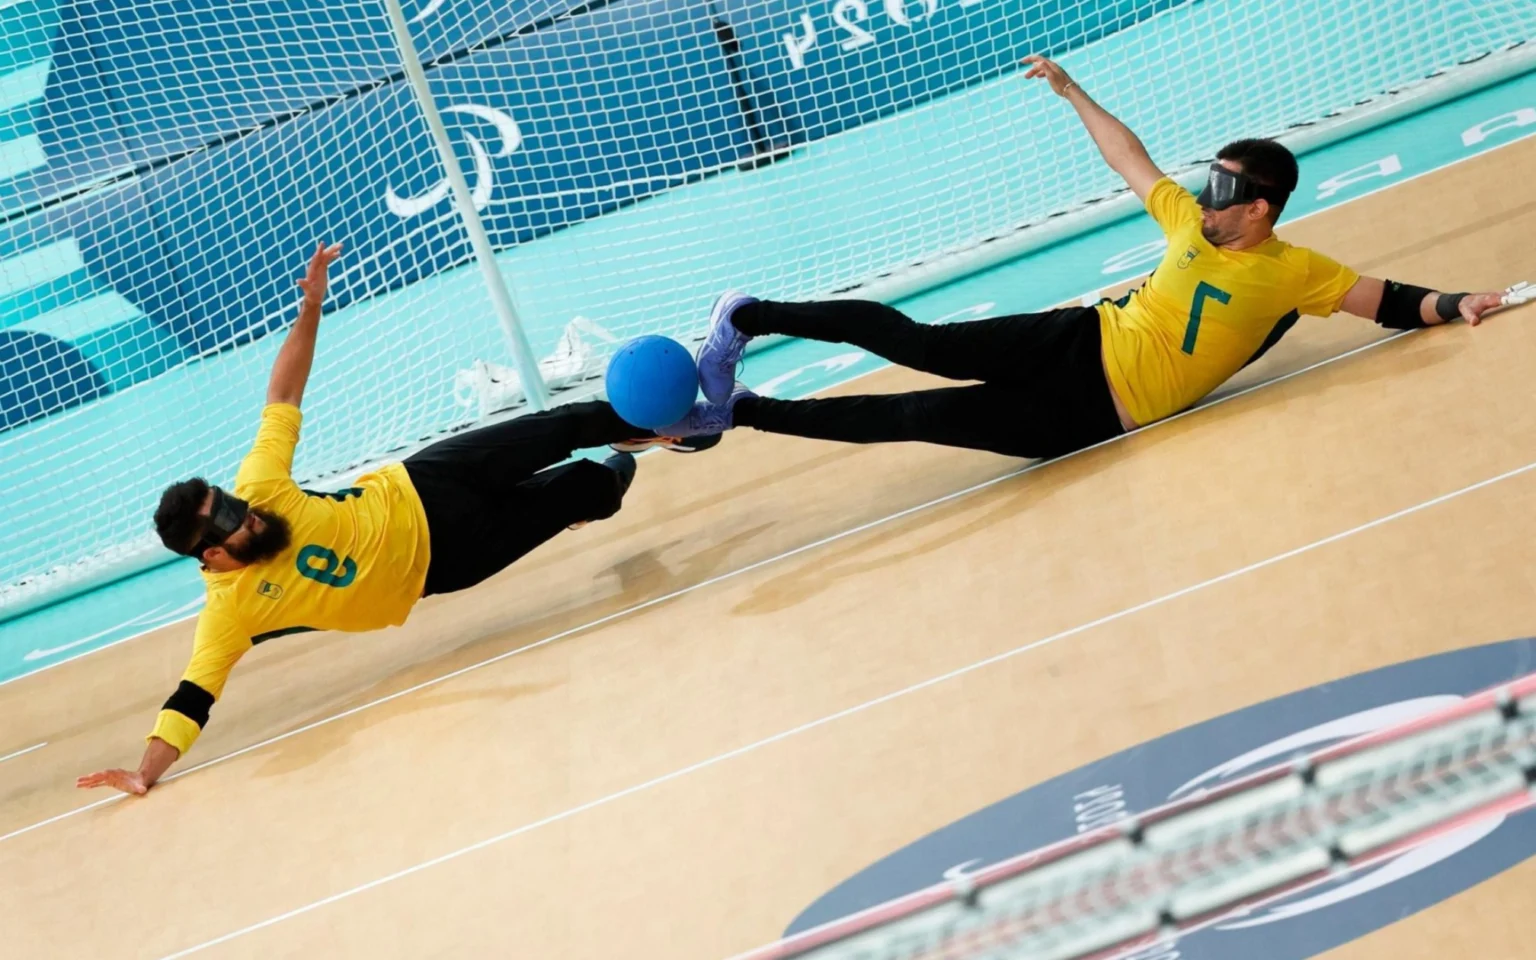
[
  {"x": 1104, "y": 282},
  {"x": 859, "y": 708},
  {"x": 688, "y": 589},
  {"x": 22, "y": 753}
]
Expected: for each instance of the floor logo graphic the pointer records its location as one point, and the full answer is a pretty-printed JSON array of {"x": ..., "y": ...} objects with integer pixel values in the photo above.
[
  {"x": 820, "y": 370},
  {"x": 1216, "y": 752},
  {"x": 161, "y": 615}
]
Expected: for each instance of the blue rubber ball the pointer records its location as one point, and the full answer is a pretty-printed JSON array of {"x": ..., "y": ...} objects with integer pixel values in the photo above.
[{"x": 652, "y": 382}]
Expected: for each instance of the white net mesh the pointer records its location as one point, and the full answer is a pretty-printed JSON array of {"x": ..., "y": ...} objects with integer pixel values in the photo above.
[
  {"x": 166, "y": 166},
  {"x": 1116, "y": 891}
]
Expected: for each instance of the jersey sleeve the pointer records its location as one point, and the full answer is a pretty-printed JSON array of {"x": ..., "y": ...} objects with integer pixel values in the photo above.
[
  {"x": 219, "y": 645},
  {"x": 271, "y": 456},
  {"x": 266, "y": 473},
  {"x": 1327, "y": 283},
  {"x": 1171, "y": 205}
]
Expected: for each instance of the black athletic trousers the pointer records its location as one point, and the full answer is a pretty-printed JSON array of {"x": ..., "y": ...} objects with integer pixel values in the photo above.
[
  {"x": 1042, "y": 393},
  {"x": 489, "y": 498}
]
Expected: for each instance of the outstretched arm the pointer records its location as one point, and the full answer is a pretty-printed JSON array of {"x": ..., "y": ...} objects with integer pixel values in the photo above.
[
  {"x": 290, "y": 372},
  {"x": 1368, "y": 298},
  {"x": 219, "y": 646},
  {"x": 1122, "y": 149}
]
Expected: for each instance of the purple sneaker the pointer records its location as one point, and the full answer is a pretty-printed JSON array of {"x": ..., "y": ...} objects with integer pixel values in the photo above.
[
  {"x": 722, "y": 349},
  {"x": 707, "y": 419}
]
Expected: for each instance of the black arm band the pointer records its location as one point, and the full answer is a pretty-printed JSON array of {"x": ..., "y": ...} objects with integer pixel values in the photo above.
[
  {"x": 192, "y": 702},
  {"x": 1448, "y": 306},
  {"x": 1401, "y": 306}
]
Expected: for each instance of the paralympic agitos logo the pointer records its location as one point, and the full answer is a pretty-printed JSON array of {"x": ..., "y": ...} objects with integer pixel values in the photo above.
[
  {"x": 482, "y": 183},
  {"x": 426, "y": 11},
  {"x": 1212, "y": 753}
]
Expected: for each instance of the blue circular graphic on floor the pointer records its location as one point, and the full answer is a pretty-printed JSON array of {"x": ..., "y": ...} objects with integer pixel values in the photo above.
[{"x": 1212, "y": 753}]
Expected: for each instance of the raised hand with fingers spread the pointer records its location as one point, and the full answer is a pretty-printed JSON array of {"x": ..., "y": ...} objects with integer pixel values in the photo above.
[
  {"x": 315, "y": 278},
  {"x": 1040, "y": 66}
]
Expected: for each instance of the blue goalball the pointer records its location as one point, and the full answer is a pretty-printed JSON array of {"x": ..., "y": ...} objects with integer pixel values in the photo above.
[{"x": 652, "y": 381}]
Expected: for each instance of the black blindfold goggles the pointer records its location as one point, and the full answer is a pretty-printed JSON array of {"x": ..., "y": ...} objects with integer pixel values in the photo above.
[
  {"x": 1227, "y": 188},
  {"x": 225, "y": 517}
]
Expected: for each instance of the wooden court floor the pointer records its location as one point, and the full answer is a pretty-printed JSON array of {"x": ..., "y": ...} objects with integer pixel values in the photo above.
[{"x": 692, "y": 744}]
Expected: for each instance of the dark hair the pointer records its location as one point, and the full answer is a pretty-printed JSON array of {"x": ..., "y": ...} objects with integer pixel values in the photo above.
[
  {"x": 1267, "y": 162},
  {"x": 176, "y": 519}
]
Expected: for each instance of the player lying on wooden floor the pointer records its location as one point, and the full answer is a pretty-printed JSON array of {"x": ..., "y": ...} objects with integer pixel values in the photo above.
[
  {"x": 280, "y": 560},
  {"x": 1050, "y": 383}
]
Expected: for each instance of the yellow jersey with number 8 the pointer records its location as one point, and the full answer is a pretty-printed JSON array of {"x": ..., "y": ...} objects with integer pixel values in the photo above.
[
  {"x": 1205, "y": 312},
  {"x": 357, "y": 561}
]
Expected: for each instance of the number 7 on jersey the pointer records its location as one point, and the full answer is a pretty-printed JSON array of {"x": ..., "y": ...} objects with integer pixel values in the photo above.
[{"x": 1203, "y": 292}]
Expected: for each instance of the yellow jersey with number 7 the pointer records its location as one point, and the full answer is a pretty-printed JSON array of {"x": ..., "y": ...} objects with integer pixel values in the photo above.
[{"x": 1205, "y": 312}]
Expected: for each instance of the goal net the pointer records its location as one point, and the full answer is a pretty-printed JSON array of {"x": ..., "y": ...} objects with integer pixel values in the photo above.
[
  {"x": 1131, "y": 889},
  {"x": 166, "y": 165}
]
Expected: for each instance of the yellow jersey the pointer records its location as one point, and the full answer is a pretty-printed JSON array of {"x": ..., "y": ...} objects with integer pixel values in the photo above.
[
  {"x": 357, "y": 560},
  {"x": 1205, "y": 312}
]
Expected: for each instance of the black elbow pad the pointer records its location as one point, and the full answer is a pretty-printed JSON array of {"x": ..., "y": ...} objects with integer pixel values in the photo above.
[
  {"x": 192, "y": 702},
  {"x": 1400, "y": 306}
]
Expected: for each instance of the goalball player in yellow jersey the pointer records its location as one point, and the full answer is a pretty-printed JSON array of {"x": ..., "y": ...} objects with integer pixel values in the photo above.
[
  {"x": 279, "y": 560},
  {"x": 1061, "y": 380}
]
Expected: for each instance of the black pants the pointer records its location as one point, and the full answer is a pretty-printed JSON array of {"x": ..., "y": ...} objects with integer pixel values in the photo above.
[
  {"x": 1043, "y": 392},
  {"x": 489, "y": 499}
]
